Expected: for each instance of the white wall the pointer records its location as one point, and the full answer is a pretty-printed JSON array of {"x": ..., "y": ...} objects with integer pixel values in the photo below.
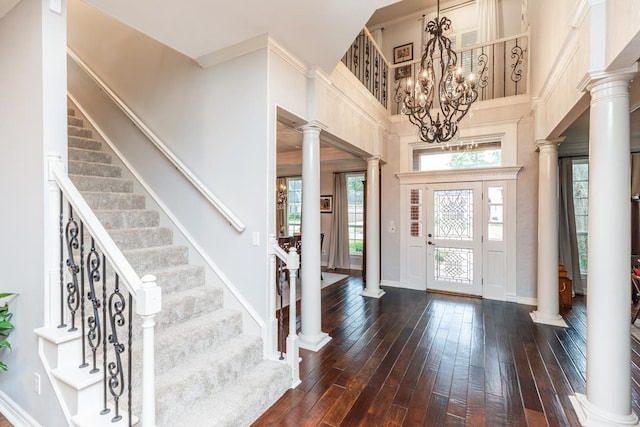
[
  {"x": 211, "y": 119},
  {"x": 32, "y": 125}
]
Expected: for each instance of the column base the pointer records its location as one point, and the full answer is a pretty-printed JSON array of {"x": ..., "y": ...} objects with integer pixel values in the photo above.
[
  {"x": 555, "y": 320},
  {"x": 591, "y": 416},
  {"x": 372, "y": 293},
  {"x": 314, "y": 343}
]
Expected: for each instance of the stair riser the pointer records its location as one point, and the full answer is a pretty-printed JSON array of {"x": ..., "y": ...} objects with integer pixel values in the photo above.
[
  {"x": 75, "y": 121},
  {"x": 183, "y": 279},
  {"x": 103, "y": 201},
  {"x": 142, "y": 238},
  {"x": 128, "y": 219},
  {"x": 84, "y": 143},
  {"x": 78, "y": 154},
  {"x": 147, "y": 261},
  {"x": 102, "y": 184},
  {"x": 94, "y": 169},
  {"x": 78, "y": 131}
]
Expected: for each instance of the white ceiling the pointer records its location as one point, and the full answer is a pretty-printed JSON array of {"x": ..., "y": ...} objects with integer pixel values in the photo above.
[{"x": 317, "y": 32}]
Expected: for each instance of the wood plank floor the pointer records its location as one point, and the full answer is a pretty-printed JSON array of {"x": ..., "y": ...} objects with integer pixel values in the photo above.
[{"x": 413, "y": 358}]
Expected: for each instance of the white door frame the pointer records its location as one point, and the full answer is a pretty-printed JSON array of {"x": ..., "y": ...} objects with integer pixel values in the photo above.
[{"x": 499, "y": 258}]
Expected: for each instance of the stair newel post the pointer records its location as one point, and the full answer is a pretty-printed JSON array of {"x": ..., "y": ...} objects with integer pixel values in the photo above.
[
  {"x": 148, "y": 304},
  {"x": 293, "y": 358}
]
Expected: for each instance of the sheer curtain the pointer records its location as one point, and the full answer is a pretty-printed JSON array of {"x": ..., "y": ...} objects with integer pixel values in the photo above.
[
  {"x": 339, "y": 247},
  {"x": 487, "y": 20},
  {"x": 567, "y": 225}
]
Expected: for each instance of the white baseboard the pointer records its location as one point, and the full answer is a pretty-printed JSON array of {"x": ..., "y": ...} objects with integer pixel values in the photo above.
[
  {"x": 527, "y": 301},
  {"x": 14, "y": 413},
  {"x": 396, "y": 284}
]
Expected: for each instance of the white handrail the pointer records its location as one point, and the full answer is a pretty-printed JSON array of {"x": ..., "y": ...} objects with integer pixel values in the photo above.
[
  {"x": 90, "y": 221},
  {"x": 179, "y": 165}
]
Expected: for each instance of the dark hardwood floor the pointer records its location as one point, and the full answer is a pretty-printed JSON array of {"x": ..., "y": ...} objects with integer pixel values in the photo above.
[{"x": 413, "y": 358}]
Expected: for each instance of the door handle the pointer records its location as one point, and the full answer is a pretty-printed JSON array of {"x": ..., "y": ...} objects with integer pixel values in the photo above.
[{"x": 430, "y": 243}]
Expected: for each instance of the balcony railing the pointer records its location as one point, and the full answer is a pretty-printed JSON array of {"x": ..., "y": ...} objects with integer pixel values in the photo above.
[
  {"x": 367, "y": 63},
  {"x": 500, "y": 69}
]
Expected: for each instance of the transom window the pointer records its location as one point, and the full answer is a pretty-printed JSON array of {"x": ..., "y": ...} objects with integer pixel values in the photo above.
[{"x": 457, "y": 156}]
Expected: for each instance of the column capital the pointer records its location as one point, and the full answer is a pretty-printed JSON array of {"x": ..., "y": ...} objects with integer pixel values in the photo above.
[
  {"x": 549, "y": 143},
  {"x": 313, "y": 125},
  {"x": 597, "y": 77},
  {"x": 375, "y": 159}
]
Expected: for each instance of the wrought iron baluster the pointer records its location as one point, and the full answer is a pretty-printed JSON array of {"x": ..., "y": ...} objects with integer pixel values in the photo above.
[
  {"x": 279, "y": 291},
  {"x": 117, "y": 306},
  {"x": 94, "y": 335},
  {"x": 516, "y": 75},
  {"x": 84, "y": 363},
  {"x": 62, "y": 324},
  {"x": 130, "y": 359},
  {"x": 385, "y": 76},
  {"x": 105, "y": 353},
  {"x": 73, "y": 300}
]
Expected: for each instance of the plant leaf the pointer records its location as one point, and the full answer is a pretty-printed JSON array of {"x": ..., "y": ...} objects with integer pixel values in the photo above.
[
  {"x": 5, "y": 344},
  {"x": 4, "y": 295},
  {"x": 3, "y": 367}
]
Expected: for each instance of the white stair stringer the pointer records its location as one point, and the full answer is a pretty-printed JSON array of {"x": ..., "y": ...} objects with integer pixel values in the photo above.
[{"x": 206, "y": 368}]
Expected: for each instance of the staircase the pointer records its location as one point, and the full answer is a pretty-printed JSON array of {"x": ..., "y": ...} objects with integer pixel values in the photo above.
[{"x": 208, "y": 373}]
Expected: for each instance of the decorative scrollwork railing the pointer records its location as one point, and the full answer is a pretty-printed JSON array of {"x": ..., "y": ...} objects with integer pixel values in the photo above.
[
  {"x": 369, "y": 65},
  {"x": 500, "y": 69},
  {"x": 286, "y": 265},
  {"x": 92, "y": 274}
]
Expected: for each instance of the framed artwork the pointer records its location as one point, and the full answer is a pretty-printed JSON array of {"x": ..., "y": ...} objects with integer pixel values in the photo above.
[
  {"x": 403, "y": 53},
  {"x": 402, "y": 72},
  {"x": 326, "y": 204}
]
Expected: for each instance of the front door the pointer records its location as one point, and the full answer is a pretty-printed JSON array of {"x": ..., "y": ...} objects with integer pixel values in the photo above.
[{"x": 454, "y": 237}]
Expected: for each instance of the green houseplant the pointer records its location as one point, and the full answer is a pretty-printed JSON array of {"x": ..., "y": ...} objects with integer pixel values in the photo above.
[{"x": 5, "y": 327}]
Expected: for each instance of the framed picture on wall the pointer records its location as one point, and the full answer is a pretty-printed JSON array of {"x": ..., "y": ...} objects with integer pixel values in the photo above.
[
  {"x": 402, "y": 72},
  {"x": 403, "y": 53},
  {"x": 326, "y": 204}
]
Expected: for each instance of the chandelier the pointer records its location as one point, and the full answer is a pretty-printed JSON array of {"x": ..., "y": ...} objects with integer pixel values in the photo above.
[{"x": 455, "y": 94}]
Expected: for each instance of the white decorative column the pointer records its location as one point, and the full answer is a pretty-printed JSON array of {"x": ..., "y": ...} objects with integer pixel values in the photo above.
[
  {"x": 548, "y": 311},
  {"x": 373, "y": 230},
  {"x": 608, "y": 398},
  {"x": 311, "y": 335}
]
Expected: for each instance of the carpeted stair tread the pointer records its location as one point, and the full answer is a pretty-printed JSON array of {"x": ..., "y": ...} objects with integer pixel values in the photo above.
[
  {"x": 147, "y": 260},
  {"x": 144, "y": 237},
  {"x": 124, "y": 218},
  {"x": 79, "y": 131},
  {"x": 84, "y": 143},
  {"x": 177, "y": 344},
  {"x": 71, "y": 111},
  {"x": 101, "y": 201},
  {"x": 75, "y": 121},
  {"x": 84, "y": 155},
  {"x": 179, "y": 278},
  {"x": 94, "y": 169},
  {"x": 203, "y": 374},
  {"x": 186, "y": 305},
  {"x": 102, "y": 184},
  {"x": 243, "y": 402}
]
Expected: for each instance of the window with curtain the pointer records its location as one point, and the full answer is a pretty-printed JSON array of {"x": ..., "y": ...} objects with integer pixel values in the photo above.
[
  {"x": 580, "y": 171},
  {"x": 355, "y": 210},
  {"x": 294, "y": 205}
]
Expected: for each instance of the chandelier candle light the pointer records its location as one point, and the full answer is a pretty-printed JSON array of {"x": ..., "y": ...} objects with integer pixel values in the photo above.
[{"x": 455, "y": 93}]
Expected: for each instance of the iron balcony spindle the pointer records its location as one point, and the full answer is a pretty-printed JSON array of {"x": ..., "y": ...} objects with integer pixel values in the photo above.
[
  {"x": 117, "y": 306},
  {"x": 94, "y": 336},
  {"x": 279, "y": 290},
  {"x": 130, "y": 360},
  {"x": 73, "y": 300}
]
